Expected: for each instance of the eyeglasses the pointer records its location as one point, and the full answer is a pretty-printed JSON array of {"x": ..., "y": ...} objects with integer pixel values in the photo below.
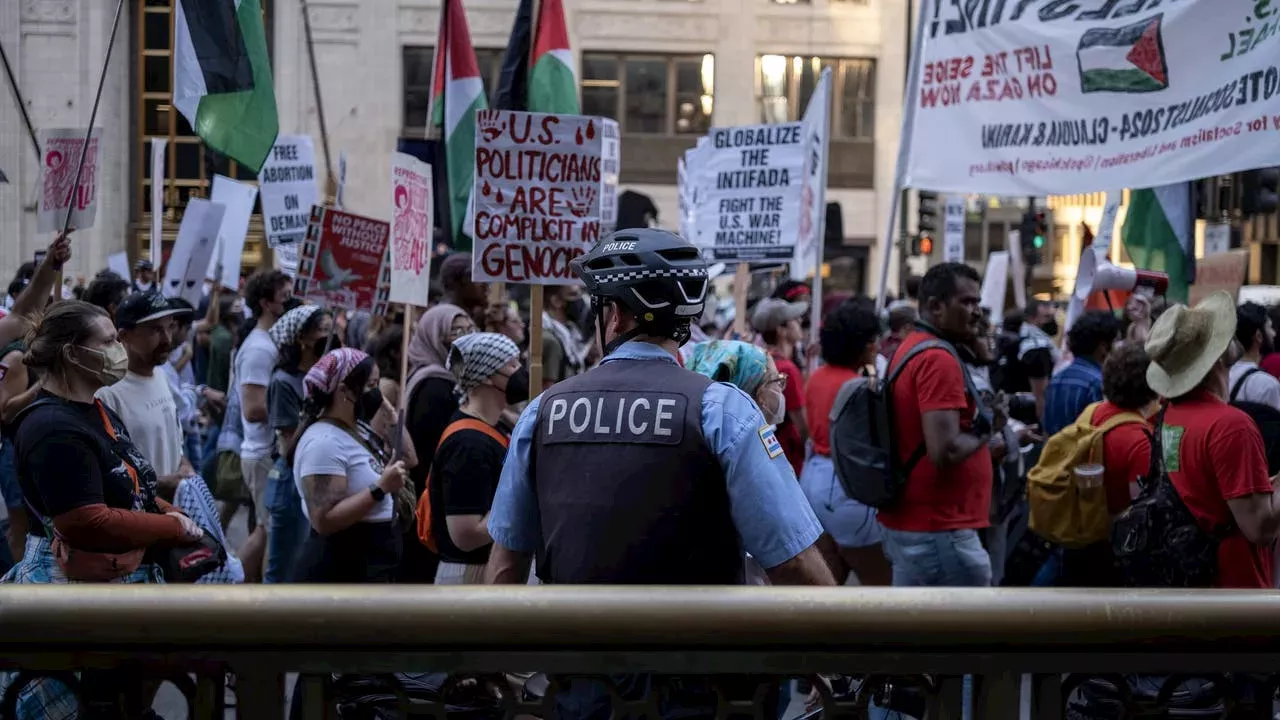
[
  {"x": 457, "y": 332},
  {"x": 779, "y": 380}
]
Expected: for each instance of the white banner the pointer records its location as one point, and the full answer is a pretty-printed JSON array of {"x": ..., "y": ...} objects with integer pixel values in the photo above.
[
  {"x": 1041, "y": 97},
  {"x": 62, "y": 148},
  {"x": 158, "y": 179},
  {"x": 953, "y": 222},
  {"x": 539, "y": 185},
  {"x": 815, "y": 128},
  {"x": 197, "y": 237},
  {"x": 239, "y": 199},
  {"x": 750, "y": 178},
  {"x": 411, "y": 226},
  {"x": 289, "y": 189}
]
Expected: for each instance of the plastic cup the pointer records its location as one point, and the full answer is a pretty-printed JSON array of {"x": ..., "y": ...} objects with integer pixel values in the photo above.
[{"x": 1089, "y": 475}]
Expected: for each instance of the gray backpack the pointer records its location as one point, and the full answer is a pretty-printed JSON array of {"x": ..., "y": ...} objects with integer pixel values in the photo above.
[{"x": 863, "y": 443}]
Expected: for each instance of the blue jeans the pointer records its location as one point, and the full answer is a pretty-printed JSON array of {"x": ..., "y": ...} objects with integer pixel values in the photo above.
[
  {"x": 287, "y": 527},
  {"x": 951, "y": 558}
]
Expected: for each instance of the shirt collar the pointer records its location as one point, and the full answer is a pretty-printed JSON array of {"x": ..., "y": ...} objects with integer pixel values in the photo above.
[
  {"x": 1088, "y": 362},
  {"x": 636, "y": 350}
]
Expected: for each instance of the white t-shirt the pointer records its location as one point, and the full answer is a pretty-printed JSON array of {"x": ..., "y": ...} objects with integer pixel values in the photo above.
[
  {"x": 254, "y": 362},
  {"x": 325, "y": 449},
  {"x": 1259, "y": 388},
  {"x": 150, "y": 416}
]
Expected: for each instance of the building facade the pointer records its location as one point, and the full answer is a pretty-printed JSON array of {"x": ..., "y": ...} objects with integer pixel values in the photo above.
[{"x": 667, "y": 70}]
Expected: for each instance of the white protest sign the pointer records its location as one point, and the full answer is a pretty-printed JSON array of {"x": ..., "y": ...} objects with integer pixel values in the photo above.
[
  {"x": 197, "y": 238},
  {"x": 410, "y": 230},
  {"x": 752, "y": 178},
  {"x": 538, "y": 186},
  {"x": 815, "y": 129},
  {"x": 61, "y": 148},
  {"x": 1107, "y": 225},
  {"x": 158, "y": 176},
  {"x": 239, "y": 198},
  {"x": 995, "y": 282},
  {"x": 1217, "y": 239},
  {"x": 287, "y": 258},
  {"x": 289, "y": 189},
  {"x": 610, "y": 166},
  {"x": 118, "y": 263},
  {"x": 953, "y": 222},
  {"x": 1043, "y": 97}
]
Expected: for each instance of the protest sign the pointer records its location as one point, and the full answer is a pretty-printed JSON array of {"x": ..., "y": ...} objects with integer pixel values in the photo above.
[
  {"x": 62, "y": 148},
  {"x": 238, "y": 198},
  {"x": 610, "y": 166},
  {"x": 749, "y": 201},
  {"x": 815, "y": 132},
  {"x": 286, "y": 255},
  {"x": 118, "y": 263},
  {"x": 1050, "y": 97},
  {"x": 539, "y": 184},
  {"x": 289, "y": 189},
  {"x": 1224, "y": 271},
  {"x": 953, "y": 223},
  {"x": 343, "y": 261},
  {"x": 1217, "y": 239},
  {"x": 158, "y": 176},
  {"x": 410, "y": 229},
  {"x": 197, "y": 238}
]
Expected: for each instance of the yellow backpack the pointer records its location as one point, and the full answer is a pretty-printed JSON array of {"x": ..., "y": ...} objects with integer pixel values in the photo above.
[{"x": 1061, "y": 511}]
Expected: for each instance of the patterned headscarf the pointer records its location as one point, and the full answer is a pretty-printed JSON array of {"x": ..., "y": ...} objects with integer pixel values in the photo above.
[
  {"x": 476, "y": 357},
  {"x": 285, "y": 331},
  {"x": 326, "y": 376},
  {"x": 738, "y": 363}
]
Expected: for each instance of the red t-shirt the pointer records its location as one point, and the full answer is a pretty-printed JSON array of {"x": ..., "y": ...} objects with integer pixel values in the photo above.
[
  {"x": 788, "y": 434},
  {"x": 1270, "y": 364},
  {"x": 934, "y": 500},
  {"x": 1126, "y": 452},
  {"x": 820, "y": 395},
  {"x": 1213, "y": 453}
]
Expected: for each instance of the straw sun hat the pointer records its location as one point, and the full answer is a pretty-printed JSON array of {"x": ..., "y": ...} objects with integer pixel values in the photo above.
[{"x": 1185, "y": 343}]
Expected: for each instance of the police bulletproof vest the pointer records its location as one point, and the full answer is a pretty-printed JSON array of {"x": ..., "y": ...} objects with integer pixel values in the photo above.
[{"x": 627, "y": 489}]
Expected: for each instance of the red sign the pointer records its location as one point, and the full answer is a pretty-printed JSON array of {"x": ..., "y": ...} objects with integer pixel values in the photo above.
[{"x": 344, "y": 261}]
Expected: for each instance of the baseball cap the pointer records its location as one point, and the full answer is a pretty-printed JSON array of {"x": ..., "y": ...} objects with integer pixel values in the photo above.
[
  {"x": 143, "y": 265},
  {"x": 144, "y": 307},
  {"x": 772, "y": 313}
]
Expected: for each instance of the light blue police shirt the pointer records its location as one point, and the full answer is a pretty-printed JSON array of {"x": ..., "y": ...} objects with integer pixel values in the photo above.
[{"x": 771, "y": 512}]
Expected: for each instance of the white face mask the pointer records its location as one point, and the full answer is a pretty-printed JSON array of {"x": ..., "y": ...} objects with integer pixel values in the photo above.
[{"x": 774, "y": 406}]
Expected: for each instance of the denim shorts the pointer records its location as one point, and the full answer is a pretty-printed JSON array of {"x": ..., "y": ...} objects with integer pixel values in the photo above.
[
  {"x": 850, "y": 523},
  {"x": 950, "y": 558}
]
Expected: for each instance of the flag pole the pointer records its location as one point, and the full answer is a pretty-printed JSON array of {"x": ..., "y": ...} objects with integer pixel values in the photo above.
[
  {"x": 331, "y": 186},
  {"x": 93, "y": 117},
  {"x": 22, "y": 106},
  {"x": 909, "y": 102}
]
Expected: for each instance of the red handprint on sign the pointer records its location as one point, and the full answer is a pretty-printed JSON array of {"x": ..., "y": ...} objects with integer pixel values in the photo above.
[
  {"x": 580, "y": 200},
  {"x": 490, "y": 125}
]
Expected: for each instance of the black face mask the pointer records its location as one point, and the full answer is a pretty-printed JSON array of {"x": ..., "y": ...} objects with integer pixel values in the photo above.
[
  {"x": 518, "y": 386},
  {"x": 368, "y": 404},
  {"x": 1050, "y": 328}
]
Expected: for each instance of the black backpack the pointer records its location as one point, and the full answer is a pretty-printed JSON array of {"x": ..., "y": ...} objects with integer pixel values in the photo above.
[
  {"x": 864, "y": 449},
  {"x": 1266, "y": 417},
  {"x": 1156, "y": 541}
]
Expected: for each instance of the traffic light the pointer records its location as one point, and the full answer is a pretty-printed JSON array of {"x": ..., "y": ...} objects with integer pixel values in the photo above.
[
  {"x": 922, "y": 244},
  {"x": 1032, "y": 234},
  {"x": 1259, "y": 194},
  {"x": 927, "y": 213}
]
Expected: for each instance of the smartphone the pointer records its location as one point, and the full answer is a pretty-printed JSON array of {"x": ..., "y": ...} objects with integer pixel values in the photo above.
[
  {"x": 40, "y": 257},
  {"x": 397, "y": 438}
]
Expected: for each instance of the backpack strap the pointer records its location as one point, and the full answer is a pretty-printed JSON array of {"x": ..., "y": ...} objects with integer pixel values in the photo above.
[
  {"x": 473, "y": 424},
  {"x": 937, "y": 343},
  {"x": 1240, "y": 383}
]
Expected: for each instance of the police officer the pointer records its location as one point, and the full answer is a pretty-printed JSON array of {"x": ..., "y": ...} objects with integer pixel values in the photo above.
[{"x": 641, "y": 472}]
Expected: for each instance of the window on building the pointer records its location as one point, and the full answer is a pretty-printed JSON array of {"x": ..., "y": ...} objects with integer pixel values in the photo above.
[
  {"x": 189, "y": 165},
  {"x": 785, "y": 83},
  {"x": 650, "y": 94},
  {"x": 418, "y": 61}
]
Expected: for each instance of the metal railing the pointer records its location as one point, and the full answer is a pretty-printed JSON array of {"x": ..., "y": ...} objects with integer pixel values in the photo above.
[{"x": 259, "y": 634}]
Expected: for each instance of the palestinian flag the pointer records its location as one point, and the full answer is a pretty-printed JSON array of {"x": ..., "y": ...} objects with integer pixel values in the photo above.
[
  {"x": 513, "y": 81},
  {"x": 1129, "y": 59},
  {"x": 1158, "y": 235},
  {"x": 456, "y": 94},
  {"x": 553, "y": 84},
  {"x": 222, "y": 77}
]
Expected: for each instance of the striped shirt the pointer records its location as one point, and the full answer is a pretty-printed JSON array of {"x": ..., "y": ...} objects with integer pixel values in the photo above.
[{"x": 1070, "y": 392}]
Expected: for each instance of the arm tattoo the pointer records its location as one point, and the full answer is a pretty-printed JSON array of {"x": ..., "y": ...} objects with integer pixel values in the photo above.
[{"x": 322, "y": 492}]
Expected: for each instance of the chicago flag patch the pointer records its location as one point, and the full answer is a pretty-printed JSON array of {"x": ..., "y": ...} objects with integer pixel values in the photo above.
[{"x": 770, "y": 440}]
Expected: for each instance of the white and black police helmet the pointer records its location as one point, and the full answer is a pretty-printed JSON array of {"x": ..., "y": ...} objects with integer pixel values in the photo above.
[{"x": 658, "y": 275}]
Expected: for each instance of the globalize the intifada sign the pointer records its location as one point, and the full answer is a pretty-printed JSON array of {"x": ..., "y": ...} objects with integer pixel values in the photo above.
[{"x": 1038, "y": 97}]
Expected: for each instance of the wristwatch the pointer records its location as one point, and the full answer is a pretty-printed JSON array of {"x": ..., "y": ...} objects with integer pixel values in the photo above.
[{"x": 377, "y": 493}]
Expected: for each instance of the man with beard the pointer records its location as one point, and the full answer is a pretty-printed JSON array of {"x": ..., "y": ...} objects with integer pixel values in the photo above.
[
  {"x": 146, "y": 322},
  {"x": 1247, "y": 383}
]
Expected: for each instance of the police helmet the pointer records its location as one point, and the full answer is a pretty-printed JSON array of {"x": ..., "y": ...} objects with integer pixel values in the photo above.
[{"x": 657, "y": 275}]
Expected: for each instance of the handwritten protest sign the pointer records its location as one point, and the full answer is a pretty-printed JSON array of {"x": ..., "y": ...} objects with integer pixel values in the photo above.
[
  {"x": 61, "y": 150},
  {"x": 1042, "y": 98},
  {"x": 288, "y": 187},
  {"x": 749, "y": 196},
  {"x": 343, "y": 261},
  {"x": 539, "y": 182},
  {"x": 410, "y": 230}
]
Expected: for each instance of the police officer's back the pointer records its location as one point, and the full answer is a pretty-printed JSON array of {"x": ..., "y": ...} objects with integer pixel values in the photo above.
[{"x": 640, "y": 472}]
